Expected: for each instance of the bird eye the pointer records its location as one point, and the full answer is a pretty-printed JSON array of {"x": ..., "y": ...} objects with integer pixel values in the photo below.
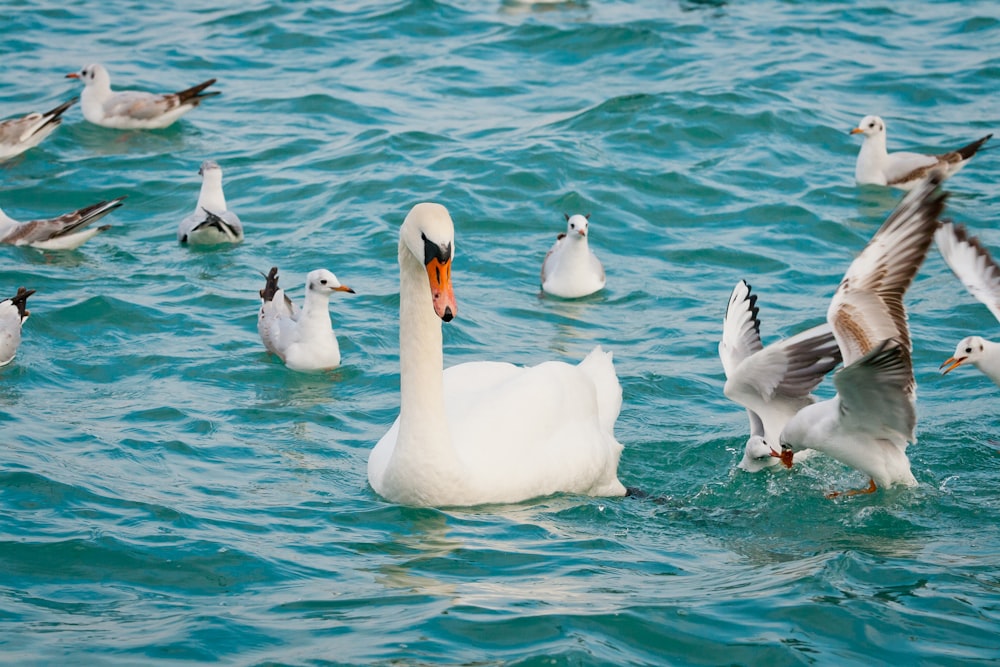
[
  {"x": 871, "y": 124},
  {"x": 322, "y": 282},
  {"x": 968, "y": 350}
]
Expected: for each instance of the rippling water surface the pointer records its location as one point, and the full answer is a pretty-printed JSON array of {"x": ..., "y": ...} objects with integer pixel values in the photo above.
[{"x": 170, "y": 492}]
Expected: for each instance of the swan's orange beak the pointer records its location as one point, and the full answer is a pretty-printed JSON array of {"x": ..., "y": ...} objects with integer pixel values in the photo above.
[
  {"x": 955, "y": 363},
  {"x": 443, "y": 295}
]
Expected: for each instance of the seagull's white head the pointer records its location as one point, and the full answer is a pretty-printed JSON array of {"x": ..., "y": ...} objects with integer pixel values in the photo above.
[
  {"x": 428, "y": 235},
  {"x": 209, "y": 165},
  {"x": 324, "y": 282},
  {"x": 576, "y": 225},
  {"x": 968, "y": 351},
  {"x": 870, "y": 126},
  {"x": 92, "y": 75},
  {"x": 757, "y": 454}
]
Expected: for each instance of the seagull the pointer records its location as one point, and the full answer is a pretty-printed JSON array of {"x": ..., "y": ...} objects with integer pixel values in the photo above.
[
  {"x": 211, "y": 221},
  {"x": 304, "y": 339},
  {"x": 133, "y": 109},
  {"x": 66, "y": 232},
  {"x": 13, "y": 313},
  {"x": 868, "y": 424},
  {"x": 877, "y": 166},
  {"x": 772, "y": 383},
  {"x": 571, "y": 269},
  {"x": 972, "y": 263},
  {"x": 19, "y": 134}
]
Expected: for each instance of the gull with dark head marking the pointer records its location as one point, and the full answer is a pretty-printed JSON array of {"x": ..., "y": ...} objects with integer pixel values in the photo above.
[
  {"x": 66, "y": 232},
  {"x": 211, "y": 222},
  {"x": 303, "y": 339},
  {"x": 133, "y": 109},
  {"x": 13, "y": 313},
  {"x": 571, "y": 269},
  {"x": 773, "y": 382},
  {"x": 872, "y": 419},
  {"x": 19, "y": 134},
  {"x": 971, "y": 262},
  {"x": 877, "y": 166}
]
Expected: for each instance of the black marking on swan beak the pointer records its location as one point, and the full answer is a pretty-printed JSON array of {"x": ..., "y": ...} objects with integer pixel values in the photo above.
[
  {"x": 433, "y": 251},
  {"x": 448, "y": 315}
]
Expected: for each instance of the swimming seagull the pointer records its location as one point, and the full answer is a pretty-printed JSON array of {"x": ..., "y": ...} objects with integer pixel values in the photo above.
[
  {"x": 972, "y": 263},
  {"x": 877, "y": 166},
  {"x": 19, "y": 134},
  {"x": 133, "y": 109},
  {"x": 868, "y": 424},
  {"x": 570, "y": 268},
  {"x": 773, "y": 382},
  {"x": 66, "y": 232},
  {"x": 304, "y": 339},
  {"x": 13, "y": 313},
  {"x": 211, "y": 221}
]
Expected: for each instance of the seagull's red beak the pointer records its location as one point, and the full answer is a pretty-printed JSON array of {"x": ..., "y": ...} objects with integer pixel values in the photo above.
[
  {"x": 955, "y": 363},
  {"x": 73, "y": 75},
  {"x": 786, "y": 456},
  {"x": 857, "y": 130}
]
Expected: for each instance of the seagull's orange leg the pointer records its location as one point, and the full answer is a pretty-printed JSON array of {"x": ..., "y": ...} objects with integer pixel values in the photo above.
[{"x": 854, "y": 492}]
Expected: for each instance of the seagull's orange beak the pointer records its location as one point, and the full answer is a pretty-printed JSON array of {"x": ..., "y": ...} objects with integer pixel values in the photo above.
[
  {"x": 73, "y": 75},
  {"x": 857, "y": 130},
  {"x": 955, "y": 363},
  {"x": 786, "y": 456},
  {"x": 439, "y": 274},
  {"x": 344, "y": 288}
]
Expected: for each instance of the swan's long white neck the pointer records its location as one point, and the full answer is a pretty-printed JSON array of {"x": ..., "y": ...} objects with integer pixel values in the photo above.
[{"x": 423, "y": 445}]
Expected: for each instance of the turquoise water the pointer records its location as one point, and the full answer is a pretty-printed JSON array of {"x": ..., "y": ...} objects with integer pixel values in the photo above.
[{"x": 171, "y": 493}]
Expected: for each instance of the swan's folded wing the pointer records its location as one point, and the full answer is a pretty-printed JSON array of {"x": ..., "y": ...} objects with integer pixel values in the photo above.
[{"x": 972, "y": 263}]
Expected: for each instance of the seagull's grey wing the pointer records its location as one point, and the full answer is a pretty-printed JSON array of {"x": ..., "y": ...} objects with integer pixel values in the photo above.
[
  {"x": 867, "y": 307},
  {"x": 740, "y": 328},
  {"x": 35, "y": 231},
  {"x": 878, "y": 389},
  {"x": 972, "y": 263}
]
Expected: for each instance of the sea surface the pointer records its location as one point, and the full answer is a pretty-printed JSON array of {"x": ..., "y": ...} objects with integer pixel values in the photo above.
[{"x": 171, "y": 494}]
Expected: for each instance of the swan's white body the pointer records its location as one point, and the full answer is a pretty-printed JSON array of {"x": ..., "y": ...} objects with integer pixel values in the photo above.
[
  {"x": 571, "y": 269},
  {"x": 65, "y": 232},
  {"x": 304, "y": 339},
  {"x": 974, "y": 266},
  {"x": 13, "y": 313},
  {"x": 211, "y": 222},
  {"x": 486, "y": 432},
  {"x": 19, "y": 134},
  {"x": 877, "y": 166},
  {"x": 133, "y": 109}
]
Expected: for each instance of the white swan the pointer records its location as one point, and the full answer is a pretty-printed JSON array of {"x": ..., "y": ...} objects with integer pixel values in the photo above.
[
  {"x": 303, "y": 339},
  {"x": 486, "y": 432},
  {"x": 571, "y": 269}
]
